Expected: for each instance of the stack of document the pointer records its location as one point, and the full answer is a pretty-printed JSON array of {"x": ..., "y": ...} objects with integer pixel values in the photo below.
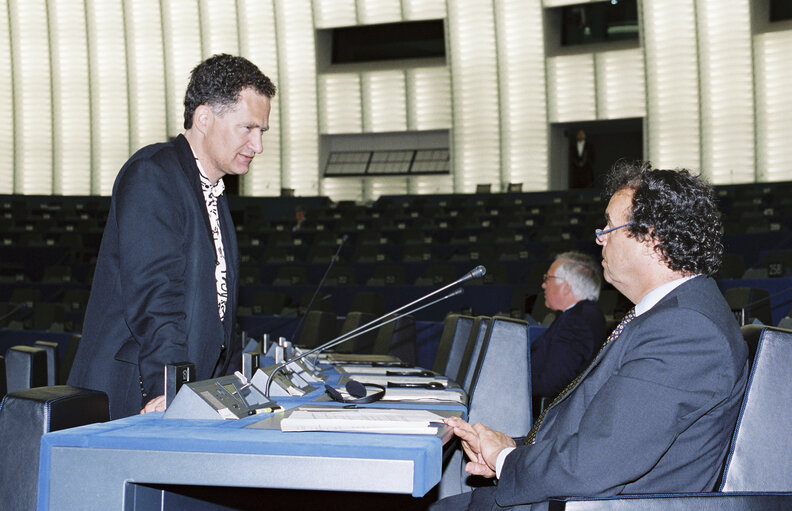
[{"x": 363, "y": 420}]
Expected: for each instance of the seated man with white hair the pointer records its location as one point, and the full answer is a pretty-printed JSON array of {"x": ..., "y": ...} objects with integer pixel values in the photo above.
[{"x": 571, "y": 285}]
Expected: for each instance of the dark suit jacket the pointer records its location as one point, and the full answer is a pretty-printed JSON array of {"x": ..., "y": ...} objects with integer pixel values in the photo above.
[
  {"x": 565, "y": 349},
  {"x": 153, "y": 298},
  {"x": 653, "y": 414}
]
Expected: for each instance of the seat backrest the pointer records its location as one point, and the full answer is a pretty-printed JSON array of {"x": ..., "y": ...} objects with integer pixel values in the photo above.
[
  {"x": 453, "y": 341},
  {"x": 51, "y": 349},
  {"x": 68, "y": 358},
  {"x": 786, "y": 322},
  {"x": 363, "y": 342},
  {"x": 24, "y": 417},
  {"x": 500, "y": 394},
  {"x": 318, "y": 328},
  {"x": 760, "y": 458},
  {"x": 398, "y": 338},
  {"x": 26, "y": 367},
  {"x": 472, "y": 353},
  {"x": 754, "y": 301}
]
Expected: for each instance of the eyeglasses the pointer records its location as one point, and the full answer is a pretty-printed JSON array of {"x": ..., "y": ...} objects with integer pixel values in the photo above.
[
  {"x": 599, "y": 232},
  {"x": 546, "y": 276}
]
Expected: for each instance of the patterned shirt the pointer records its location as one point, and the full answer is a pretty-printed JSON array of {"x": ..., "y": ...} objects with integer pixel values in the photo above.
[{"x": 211, "y": 194}]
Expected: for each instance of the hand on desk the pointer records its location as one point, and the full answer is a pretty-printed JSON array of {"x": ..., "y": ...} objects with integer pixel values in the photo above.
[
  {"x": 481, "y": 444},
  {"x": 155, "y": 405}
]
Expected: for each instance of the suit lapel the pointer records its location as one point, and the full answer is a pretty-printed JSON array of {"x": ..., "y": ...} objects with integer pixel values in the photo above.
[{"x": 190, "y": 170}]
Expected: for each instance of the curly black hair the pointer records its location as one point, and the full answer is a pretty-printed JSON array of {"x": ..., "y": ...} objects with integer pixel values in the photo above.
[
  {"x": 675, "y": 208},
  {"x": 217, "y": 82}
]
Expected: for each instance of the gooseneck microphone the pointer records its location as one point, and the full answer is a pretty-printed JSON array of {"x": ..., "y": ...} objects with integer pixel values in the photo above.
[
  {"x": 321, "y": 283},
  {"x": 352, "y": 334},
  {"x": 477, "y": 272}
]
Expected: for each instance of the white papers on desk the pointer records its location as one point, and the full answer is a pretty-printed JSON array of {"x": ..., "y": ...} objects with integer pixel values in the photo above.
[
  {"x": 357, "y": 369},
  {"x": 379, "y": 379},
  {"x": 368, "y": 358},
  {"x": 363, "y": 420},
  {"x": 425, "y": 395}
]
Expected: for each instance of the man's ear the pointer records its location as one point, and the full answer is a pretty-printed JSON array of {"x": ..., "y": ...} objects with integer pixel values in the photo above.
[{"x": 202, "y": 118}]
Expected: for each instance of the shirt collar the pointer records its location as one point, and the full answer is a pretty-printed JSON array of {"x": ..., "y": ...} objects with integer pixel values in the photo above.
[
  {"x": 216, "y": 189},
  {"x": 655, "y": 295}
]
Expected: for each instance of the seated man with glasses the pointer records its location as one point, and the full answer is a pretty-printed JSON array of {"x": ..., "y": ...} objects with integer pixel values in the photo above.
[
  {"x": 655, "y": 409},
  {"x": 571, "y": 286}
]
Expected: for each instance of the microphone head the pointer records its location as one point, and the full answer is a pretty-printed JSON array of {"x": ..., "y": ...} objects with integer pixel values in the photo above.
[{"x": 478, "y": 272}]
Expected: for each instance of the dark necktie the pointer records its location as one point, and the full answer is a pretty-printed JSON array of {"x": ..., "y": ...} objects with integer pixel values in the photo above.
[{"x": 613, "y": 336}]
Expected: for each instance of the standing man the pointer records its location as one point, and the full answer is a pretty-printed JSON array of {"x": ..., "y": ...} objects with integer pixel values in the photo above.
[
  {"x": 166, "y": 280},
  {"x": 655, "y": 410},
  {"x": 571, "y": 285},
  {"x": 581, "y": 173}
]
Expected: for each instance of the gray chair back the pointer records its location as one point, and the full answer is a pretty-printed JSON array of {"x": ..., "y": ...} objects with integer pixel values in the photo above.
[
  {"x": 318, "y": 328},
  {"x": 760, "y": 458},
  {"x": 500, "y": 394},
  {"x": 398, "y": 338},
  {"x": 453, "y": 343},
  {"x": 51, "y": 349},
  {"x": 26, "y": 367},
  {"x": 472, "y": 353}
]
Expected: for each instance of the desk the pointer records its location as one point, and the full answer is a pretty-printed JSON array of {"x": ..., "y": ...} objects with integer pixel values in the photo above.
[{"x": 101, "y": 466}]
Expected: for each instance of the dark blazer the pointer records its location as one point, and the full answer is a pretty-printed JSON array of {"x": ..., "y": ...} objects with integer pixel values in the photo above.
[
  {"x": 565, "y": 349},
  {"x": 653, "y": 414},
  {"x": 153, "y": 298}
]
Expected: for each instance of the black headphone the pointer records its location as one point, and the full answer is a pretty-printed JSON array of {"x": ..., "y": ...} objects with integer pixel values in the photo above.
[{"x": 359, "y": 391}]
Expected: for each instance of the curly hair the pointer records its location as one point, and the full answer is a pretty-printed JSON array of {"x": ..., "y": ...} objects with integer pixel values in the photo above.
[
  {"x": 677, "y": 210},
  {"x": 217, "y": 82}
]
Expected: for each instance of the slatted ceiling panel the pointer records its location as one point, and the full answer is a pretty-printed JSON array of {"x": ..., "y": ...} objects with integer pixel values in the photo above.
[
  {"x": 427, "y": 185},
  {"x": 334, "y": 13},
  {"x": 384, "y": 101},
  {"x": 32, "y": 97},
  {"x": 258, "y": 42},
  {"x": 146, "y": 81},
  {"x": 70, "y": 98},
  {"x": 773, "y": 105},
  {"x": 727, "y": 94},
  {"x": 109, "y": 100},
  {"x": 621, "y": 88},
  {"x": 423, "y": 9},
  {"x": 428, "y": 98},
  {"x": 571, "y": 88},
  {"x": 298, "y": 97},
  {"x": 6, "y": 105},
  {"x": 379, "y": 11},
  {"x": 219, "y": 27},
  {"x": 672, "y": 103},
  {"x": 521, "y": 68},
  {"x": 476, "y": 138},
  {"x": 181, "y": 27},
  {"x": 340, "y": 108},
  {"x": 339, "y": 189}
]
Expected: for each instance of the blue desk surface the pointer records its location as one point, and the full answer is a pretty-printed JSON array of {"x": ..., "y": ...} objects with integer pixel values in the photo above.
[{"x": 151, "y": 436}]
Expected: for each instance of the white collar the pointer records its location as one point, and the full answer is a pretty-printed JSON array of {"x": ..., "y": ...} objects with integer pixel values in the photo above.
[{"x": 655, "y": 295}]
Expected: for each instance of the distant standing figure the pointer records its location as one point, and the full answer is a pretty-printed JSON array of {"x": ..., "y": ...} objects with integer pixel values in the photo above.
[{"x": 581, "y": 172}]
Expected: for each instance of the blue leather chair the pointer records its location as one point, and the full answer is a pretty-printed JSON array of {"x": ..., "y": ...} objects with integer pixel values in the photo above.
[{"x": 758, "y": 471}]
